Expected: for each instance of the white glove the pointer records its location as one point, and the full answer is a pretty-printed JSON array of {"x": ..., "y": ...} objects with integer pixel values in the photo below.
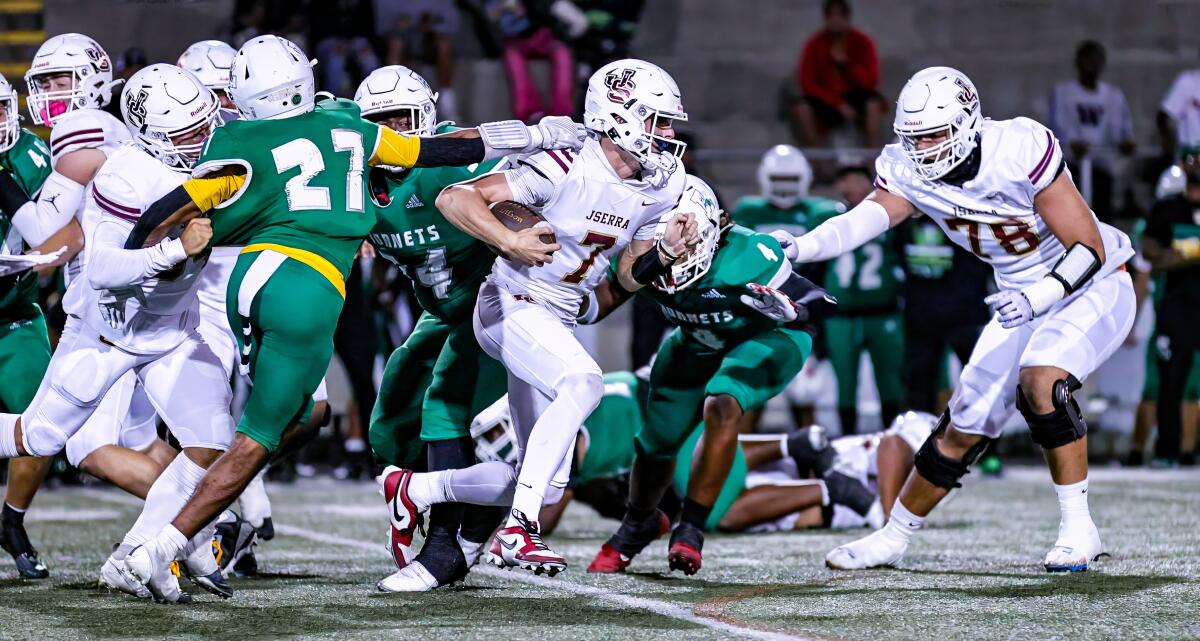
[
  {"x": 112, "y": 309},
  {"x": 788, "y": 243},
  {"x": 559, "y": 132},
  {"x": 771, "y": 303},
  {"x": 1015, "y": 307},
  {"x": 506, "y": 137},
  {"x": 15, "y": 263}
]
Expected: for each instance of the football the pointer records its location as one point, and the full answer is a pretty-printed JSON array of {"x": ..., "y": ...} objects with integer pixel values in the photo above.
[{"x": 517, "y": 217}]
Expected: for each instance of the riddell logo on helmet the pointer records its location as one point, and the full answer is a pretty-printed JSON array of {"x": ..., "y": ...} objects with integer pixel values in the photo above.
[{"x": 620, "y": 85}]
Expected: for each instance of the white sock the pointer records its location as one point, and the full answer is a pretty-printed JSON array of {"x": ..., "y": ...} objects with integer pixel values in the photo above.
[
  {"x": 255, "y": 504},
  {"x": 549, "y": 441},
  {"x": 170, "y": 491},
  {"x": 903, "y": 523},
  {"x": 8, "y": 435},
  {"x": 487, "y": 483},
  {"x": 1073, "y": 502},
  {"x": 783, "y": 448},
  {"x": 167, "y": 545},
  {"x": 355, "y": 445}
]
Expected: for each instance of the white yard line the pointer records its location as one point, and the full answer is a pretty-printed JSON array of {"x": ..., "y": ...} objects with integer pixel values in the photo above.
[{"x": 662, "y": 608}]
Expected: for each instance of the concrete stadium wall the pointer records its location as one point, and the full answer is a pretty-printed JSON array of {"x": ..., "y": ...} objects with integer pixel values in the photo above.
[{"x": 162, "y": 28}]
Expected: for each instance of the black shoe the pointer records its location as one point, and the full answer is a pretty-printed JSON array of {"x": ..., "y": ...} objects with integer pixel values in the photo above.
[
  {"x": 15, "y": 541},
  {"x": 266, "y": 531},
  {"x": 634, "y": 535},
  {"x": 235, "y": 540},
  {"x": 849, "y": 492},
  {"x": 1133, "y": 459},
  {"x": 1187, "y": 459},
  {"x": 443, "y": 559},
  {"x": 684, "y": 553},
  {"x": 247, "y": 565}
]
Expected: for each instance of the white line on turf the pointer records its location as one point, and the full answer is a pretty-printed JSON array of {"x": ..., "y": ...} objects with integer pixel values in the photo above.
[{"x": 661, "y": 608}]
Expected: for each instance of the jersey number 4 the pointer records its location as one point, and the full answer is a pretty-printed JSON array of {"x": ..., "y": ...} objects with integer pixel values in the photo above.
[
  {"x": 1016, "y": 237},
  {"x": 599, "y": 242},
  {"x": 305, "y": 154}
]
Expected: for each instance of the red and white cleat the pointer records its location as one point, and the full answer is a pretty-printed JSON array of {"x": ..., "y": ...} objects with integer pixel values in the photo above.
[
  {"x": 521, "y": 546},
  {"x": 406, "y": 515}
]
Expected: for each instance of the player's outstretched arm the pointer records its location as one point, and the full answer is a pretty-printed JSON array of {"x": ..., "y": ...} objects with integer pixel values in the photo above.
[
  {"x": 602, "y": 301},
  {"x": 468, "y": 146},
  {"x": 466, "y": 204},
  {"x": 55, "y": 206},
  {"x": 110, "y": 265},
  {"x": 187, "y": 201},
  {"x": 881, "y": 211}
]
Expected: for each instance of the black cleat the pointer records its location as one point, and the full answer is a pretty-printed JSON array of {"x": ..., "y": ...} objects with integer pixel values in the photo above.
[
  {"x": 15, "y": 541},
  {"x": 266, "y": 531},
  {"x": 234, "y": 539},
  {"x": 247, "y": 565}
]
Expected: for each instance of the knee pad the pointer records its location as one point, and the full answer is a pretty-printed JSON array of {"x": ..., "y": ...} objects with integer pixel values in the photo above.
[
  {"x": 586, "y": 389},
  {"x": 1061, "y": 427},
  {"x": 42, "y": 438},
  {"x": 939, "y": 469}
]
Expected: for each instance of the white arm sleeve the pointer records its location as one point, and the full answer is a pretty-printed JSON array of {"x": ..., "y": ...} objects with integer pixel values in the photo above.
[
  {"x": 843, "y": 233},
  {"x": 56, "y": 204},
  {"x": 111, "y": 266}
]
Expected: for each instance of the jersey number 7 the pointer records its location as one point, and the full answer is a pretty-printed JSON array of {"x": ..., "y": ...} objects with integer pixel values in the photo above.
[{"x": 599, "y": 242}]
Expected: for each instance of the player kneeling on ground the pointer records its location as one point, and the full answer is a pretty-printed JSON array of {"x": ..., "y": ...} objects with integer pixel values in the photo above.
[{"x": 1001, "y": 190}]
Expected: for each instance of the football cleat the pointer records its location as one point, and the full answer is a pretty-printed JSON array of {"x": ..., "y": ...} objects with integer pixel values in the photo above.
[
  {"x": 412, "y": 578},
  {"x": 630, "y": 539},
  {"x": 234, "y": 540},
  {"x": 15, "y": 541},
  {"x": 684, "y": 553},
  {"x": 406, "y": 515},
  {"x": 471, "y": 550},
  {"x": 874, "y": 550},
  {"x": 164, "y": 585},
  {"x": 266, "y": 531},
  {"x": 521, "y": 546},
  {"x": 1075, "y": 548},
  {"x": 114, "y": 576},
  {"x": 201, "y": 568}
]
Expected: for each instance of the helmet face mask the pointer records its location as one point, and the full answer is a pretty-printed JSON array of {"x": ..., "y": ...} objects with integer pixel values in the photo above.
[
  {"x": 272, "y": 78},
  {"x": 937, "y": 121},
  {"x": 170, "y": 114},
  {"x": 784, "y": 176},
  {"x": 698, "y": 200},
  {"x": 630, "y": 102},
  {"x": 394, "y": 93},
  {"x": 10, "y": 124},
  {"x": 494, "y": 434},
  {"x": 68, "y": 72}
]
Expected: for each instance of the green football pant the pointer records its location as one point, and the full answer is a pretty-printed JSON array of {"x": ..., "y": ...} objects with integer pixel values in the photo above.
[
  {"x": 883, "y": 337},
  {"x": 685, "y": 373},
  {"x": 284, "y": 313},
  {"x": 24, "y": 357}
]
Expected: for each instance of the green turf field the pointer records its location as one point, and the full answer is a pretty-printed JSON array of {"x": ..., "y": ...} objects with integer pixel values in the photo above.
[{"x": 973, "y": 574}]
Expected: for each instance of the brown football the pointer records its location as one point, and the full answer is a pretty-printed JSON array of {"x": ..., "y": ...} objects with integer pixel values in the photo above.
[{"x": 516, "y": 217}]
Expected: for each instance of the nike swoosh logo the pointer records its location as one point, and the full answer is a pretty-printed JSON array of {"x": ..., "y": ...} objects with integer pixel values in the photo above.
[
  {"x": 506, "y": 544},
  {"x": 649, "y": 204},
  {"x": 400, "y": 518},
  {"x": 526, "y": 485}
]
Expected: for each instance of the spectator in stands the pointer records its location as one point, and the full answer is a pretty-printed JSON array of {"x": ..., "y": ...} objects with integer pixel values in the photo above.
[
  {"x": 525, "y": 29},
  {"x": 1179, "y": 114},
  {"x": 418, "y": 33},
  {"x": 838, "y": 77},
  {"x": 286, "y": 18},
  {"x": 341, "y": 31},
  {"x": 1092, "y": 118}
]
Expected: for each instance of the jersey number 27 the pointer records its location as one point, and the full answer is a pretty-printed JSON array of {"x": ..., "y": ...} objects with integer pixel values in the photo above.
[{"x": 305, "y": 154}]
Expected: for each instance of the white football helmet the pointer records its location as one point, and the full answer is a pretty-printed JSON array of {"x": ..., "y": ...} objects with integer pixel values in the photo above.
[
  {"x": 396, "y": 88},
  {"x": 163, "y": 102},
  {"x": 622, "y": 96},
  {"x": 210, "y": 61},
  {"x": 699, "y": 200},
  {"x": 92, "y": 81},
  {"x": 494, "y": 434},
  {"x": 11, "y": 125},
  {"x": 1172, "y": 182},
  {"x": 938, "y": 100},
  {"x": 784, "y": 176},
  {"x": 272, "y": 78}
]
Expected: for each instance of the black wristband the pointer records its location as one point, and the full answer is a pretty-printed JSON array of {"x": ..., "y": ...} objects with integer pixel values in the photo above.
[
  {"x": 12, "y": 197},
  {"x": 161, "y": 210},
  {"x": 442, "y": 151},
  {"x": 648, "y": 267}
]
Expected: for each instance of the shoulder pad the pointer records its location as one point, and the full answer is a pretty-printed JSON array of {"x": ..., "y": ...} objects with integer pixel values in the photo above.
[
  {"x": 1033, "y": 151},
  {"x": 889, "y": 167},
  {"x": 85, "y": 129},
  {"x": 552, "y": 164}
]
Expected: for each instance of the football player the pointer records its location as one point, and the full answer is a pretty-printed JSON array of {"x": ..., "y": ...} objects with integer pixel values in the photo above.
[
  {"x": 1001, "y": 190},
  {"x": 726, "y": 358},
  {"x": 24, "y": 341},
  {"x": 603, "y": 202},
  {"x": 298, "y": 249},
  {"x": 439, "y": 378},
  {"x": 210, "y": 61}
]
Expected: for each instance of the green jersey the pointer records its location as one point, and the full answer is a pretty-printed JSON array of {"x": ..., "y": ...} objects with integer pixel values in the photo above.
[
  {"x": 445, "y": 264},
  {"x": 29, "y": 162},
  {"x": 610, "y": 430},
  {"x": 709, "y": 311},
  {"x": 304, "y": 189},
  {"x": 866, "y": 279},
  {"x": 763, "y": 217}
]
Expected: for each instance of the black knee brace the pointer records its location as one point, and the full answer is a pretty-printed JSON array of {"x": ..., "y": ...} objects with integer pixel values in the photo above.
[
  {"x": 1061, "y": 427},
  {"x": 939, "y": 469}
]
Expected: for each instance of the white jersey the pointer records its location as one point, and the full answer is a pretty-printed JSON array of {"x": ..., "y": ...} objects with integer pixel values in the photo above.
[
  {"x": 1099, "y": 118},
  {"x": 75, "y": 130},
  {"x": 992, "y": 215},
  {"x": 1182, "y": 103},
  {"x": 127, "y": 303},
  {"x": 594, "y": 213}
]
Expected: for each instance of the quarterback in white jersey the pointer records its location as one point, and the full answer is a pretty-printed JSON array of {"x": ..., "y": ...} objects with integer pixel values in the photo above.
[
  {"x": 1001, "y": 190},
  {"x": 139, "y": 313},
  {"x": 603, "y": 202}
]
